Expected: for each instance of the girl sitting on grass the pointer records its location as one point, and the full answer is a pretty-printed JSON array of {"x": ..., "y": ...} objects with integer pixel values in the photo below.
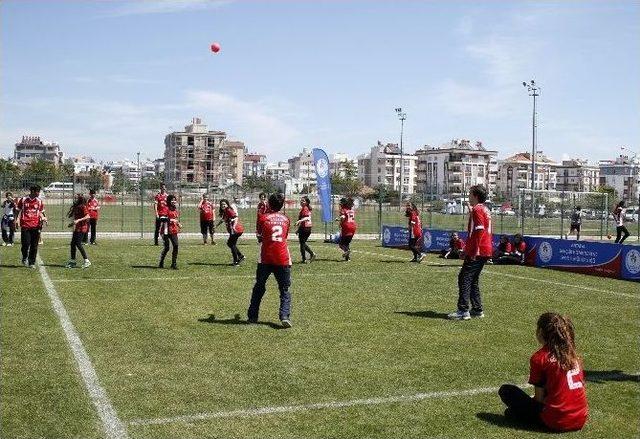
[{"x": 560, "y": 401}]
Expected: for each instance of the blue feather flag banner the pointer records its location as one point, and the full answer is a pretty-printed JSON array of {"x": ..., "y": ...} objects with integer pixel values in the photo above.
[{"x": 323, "y": 179}]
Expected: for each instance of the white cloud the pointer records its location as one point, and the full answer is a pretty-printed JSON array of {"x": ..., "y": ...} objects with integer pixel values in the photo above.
[{"x": 144, "y": 7}]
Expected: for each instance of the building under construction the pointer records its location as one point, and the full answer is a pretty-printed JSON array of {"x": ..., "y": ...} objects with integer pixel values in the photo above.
[{"x": 198, "y": 157}]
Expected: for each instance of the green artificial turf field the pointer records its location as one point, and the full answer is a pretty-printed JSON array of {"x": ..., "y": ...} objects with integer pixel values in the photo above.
[{"x": 370, "y": 354}]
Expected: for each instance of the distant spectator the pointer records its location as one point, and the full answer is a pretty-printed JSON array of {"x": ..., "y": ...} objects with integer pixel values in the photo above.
[
  {"x": 515, "y": 253},
  {"x": 618, "y": 216},
  {"x": 456, "y": 248},
  {"x": 576, "y": 223},
  {"x": 504, "y": 248}
]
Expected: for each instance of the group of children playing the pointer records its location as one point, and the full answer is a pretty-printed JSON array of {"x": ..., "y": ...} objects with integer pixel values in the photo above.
[
  {"x": 507, "y": 252},
  {"x": 559, "y": 402}
]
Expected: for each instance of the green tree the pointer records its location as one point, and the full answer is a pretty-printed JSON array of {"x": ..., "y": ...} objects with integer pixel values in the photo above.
[
  {"x": 40, "y": 172},
  {"x": 121, "y": 183},
  {"x": 94, "y": 179},
  {"x": 10, "y": 175}
]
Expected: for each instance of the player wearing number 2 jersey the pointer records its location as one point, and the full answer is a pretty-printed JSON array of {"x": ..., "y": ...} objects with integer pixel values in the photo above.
[
  {"x": 560, "y": 401},
  {"x": 273, "y": 257}
]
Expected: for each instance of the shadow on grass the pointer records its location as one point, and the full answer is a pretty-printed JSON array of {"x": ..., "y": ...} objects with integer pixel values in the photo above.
[
  {"x": 506, "y": 422},
  {"x": 54, "y": 265},
  {"x": 601, "y": 376},
  {"x": 395, "y": 261},
  {"x": 424, "y": 314},
  {"x": 327, "y": 260},
  {"x": 236, "y": 320},
  {"x": 10, "y": 266},
  {"x": 155, "y": 267}
]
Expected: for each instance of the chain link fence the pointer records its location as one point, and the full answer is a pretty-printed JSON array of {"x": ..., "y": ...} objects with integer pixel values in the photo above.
[{"x": 545, "y": 213}]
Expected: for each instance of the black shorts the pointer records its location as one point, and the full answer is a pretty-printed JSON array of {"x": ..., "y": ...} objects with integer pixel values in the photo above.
[
  {"x": 345, "y": 240},
  {"x": 206, "y": 227},
  {"x": 575, "y": 227}
]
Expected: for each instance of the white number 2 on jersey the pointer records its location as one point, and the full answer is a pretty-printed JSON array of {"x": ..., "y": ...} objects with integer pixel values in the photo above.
[
  {"x": 276, "y": 236},
  {"x": 573, "y": 385}
]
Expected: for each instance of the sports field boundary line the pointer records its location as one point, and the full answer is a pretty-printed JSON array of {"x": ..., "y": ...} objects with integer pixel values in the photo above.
[
  {"x": 114, "y": 428},
  {"x": 261, "y": 411}
]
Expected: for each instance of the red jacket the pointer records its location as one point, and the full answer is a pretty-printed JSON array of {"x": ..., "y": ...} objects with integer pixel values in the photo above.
[{"x": 480, "y": 242}]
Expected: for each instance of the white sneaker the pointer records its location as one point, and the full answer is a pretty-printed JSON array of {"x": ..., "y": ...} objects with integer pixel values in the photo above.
[
  {"x": 459, "y": 315},
  {"x": 421, "y": 257},
  {"x": 286, "y": 323},
  {"x": 10, "y": 244},
  {"x": 25, "y": 263},
  {"x": 476, "y": 314},
  {"x": 87, "y": 263},
  {"x": 32, "y": 266},
  {"x": 4, "y": 244}
]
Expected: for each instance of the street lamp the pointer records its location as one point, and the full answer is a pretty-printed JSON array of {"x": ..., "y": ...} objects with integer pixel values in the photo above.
[
  {"x": 402, "y": 116},
  {"x": 533, "y": 90}
]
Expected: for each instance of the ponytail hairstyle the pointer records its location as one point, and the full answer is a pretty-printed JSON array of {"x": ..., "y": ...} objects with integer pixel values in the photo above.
[
  {"x": 78, "y": 203},
  {"x": 170, "y": 199},
  {"x": 307, "y": 202},
  {"x": 557, "y": 333},
  {"x": 346, "y": 203}
]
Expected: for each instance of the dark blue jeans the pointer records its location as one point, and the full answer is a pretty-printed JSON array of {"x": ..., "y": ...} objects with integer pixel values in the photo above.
[
  {"x": 469, "y": 285},
  {"x": 283, "y": 277}
]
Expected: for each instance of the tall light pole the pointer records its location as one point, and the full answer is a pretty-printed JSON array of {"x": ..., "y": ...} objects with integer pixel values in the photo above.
[
  {"x": 402, "y": 116},
  {"x": 534, "y": 90}
]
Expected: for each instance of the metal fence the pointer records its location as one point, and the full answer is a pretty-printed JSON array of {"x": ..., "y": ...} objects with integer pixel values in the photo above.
[{"x": 545, "y": 213}]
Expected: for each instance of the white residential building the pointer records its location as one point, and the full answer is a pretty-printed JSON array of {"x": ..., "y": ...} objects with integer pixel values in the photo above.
[
  {"x": 451, "y": 169},
  {"x": 255, "y": 165},
  {"x": 514, "y": 173},
  {"x": 301, "y": 166},
  {"x": 33, "y": 148},
  {"x": 622, "y": 174},
  {"x": 340, "y": 162},
  {"x": 277, "y": 171},
  {"x": 382, "y": 167},
  {"x": 577, "y": 175},
  {"x": 84, "y": 165}
]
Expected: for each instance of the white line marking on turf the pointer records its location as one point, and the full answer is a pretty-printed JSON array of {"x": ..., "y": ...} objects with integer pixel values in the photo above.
[
  {"x": 113, "y": 426},
  {"x": 245, "y": 413},
  {"x": 562, "y": 284}
]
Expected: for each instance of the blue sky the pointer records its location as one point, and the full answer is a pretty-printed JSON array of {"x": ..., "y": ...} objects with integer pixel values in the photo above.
[{"x": 110, "y": 78}]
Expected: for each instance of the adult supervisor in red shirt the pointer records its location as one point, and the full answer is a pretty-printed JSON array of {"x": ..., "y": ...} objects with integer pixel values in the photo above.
[
  {"x": 478, "y": 250},
  {"x": 30, "y": 214}
]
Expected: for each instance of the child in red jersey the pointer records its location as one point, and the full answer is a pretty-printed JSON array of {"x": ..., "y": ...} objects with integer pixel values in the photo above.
[
  {"x": 94, "y": 213},
  {"x": 169, "y": 232},
  {"x": 348, "y": 226},
  {"x": 456, "y": 248},
  {"x": 478, "y": 250},
  {"x": 229, "y": 216},
  {"x": 560, "y": 402},
  {"x": 30, "y": 217},
  {"x": 273, "y": 257},
  {"x": 160, "y": 208},
  {"x": 207, "y": 218},
  {"x": 415, "y": 231},
  {"x": 261, "y": 209},
  {"x": 304, "y": 229},
  {"x": 79, "y": 211}
]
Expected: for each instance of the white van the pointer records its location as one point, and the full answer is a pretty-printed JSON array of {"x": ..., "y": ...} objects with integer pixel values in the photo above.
[{"x": 59, "y": 186}]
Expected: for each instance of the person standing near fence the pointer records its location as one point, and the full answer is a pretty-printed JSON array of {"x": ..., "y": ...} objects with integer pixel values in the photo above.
[
  {"x": 79, "y": 212},
  {"x": 478, "y": 250},
  {"x": 415, "y": 232},
  {"x": 94, "y": 208},
  {"x": 207, "y": 218},
  {"x": 161, "y": 210},
  {"x": 273, "y": 257},
  {"x": 348, "y": 227},
  {"x": 169, "y": 230},
  {"x": 8, "y": 220},
  {"x": 576, "y": 223},
  {"x": 618, "y": 217},
  {"x": 261, "y": 209},
  {"x": 229, "y": 216},
  {"x": 30, "y": 217},
  {"x": 304, "y": 229}
]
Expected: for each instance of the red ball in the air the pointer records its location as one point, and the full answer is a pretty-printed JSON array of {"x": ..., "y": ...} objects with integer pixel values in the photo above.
[{"x": 215, "y": 47}]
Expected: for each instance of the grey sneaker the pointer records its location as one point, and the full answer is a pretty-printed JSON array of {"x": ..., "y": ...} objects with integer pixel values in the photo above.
[
  {"x": 459, "y": 315},
  {"x": 286, "y": 323},
  {"x": 86, "y": 264},
  {"x": 25, "y": 263},
  {"x": 70, "y": 264},
  {"x": 477, "y": 314}
]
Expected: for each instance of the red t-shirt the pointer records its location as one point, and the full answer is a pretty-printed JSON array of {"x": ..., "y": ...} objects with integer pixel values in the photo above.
[
  {"x": 173, "y": 225},
  {"x": 206, "y": 211},
  {"x": 234, "y": 227},
  {"x": 480, "y": 241},
  {"x": 30, "y": 209},
  {"x": 304, "y": 213},
  {"x": 457, "y": 244},
  {"x": 262, "y": 208},
  {"x": 81, "y": 226},
  {"x": 565, "y": 402},
  {"x": 505, "y": 247},
  {"x": 93, "y": 204},
  {"x": 415, "y": 225},
  {"x": 275, "y": 230},
  {"x": 348, "y": 224},
  {"x": 161, "y": 204},
  {"x": 520, "y": 248}
]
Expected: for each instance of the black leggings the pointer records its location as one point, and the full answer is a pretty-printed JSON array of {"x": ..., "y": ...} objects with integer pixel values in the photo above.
[
  {"x": 415, "y": 245},
  {"x": 620, "y": 231},
  {"x": 520, "y": 406},
  {"x": 303, "y": 235},
  {"x": 8, "y": 230},
  {"x": 232, "y": 243},
  {"x": 174, "y": 253},
  {"x": 345, "y": 242},
  {"x": 29, "y": 239},
  {"x": 206, "y": 228},
  {"x": 76, "y": 244}
]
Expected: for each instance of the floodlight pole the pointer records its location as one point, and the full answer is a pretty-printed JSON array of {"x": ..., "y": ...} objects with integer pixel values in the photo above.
[
  {"x": 402, "y": 116},
  {"x": 533, "y": 91}
]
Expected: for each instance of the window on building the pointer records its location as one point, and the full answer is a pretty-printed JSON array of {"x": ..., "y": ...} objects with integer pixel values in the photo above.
[{"x": 190, "y": 141}]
